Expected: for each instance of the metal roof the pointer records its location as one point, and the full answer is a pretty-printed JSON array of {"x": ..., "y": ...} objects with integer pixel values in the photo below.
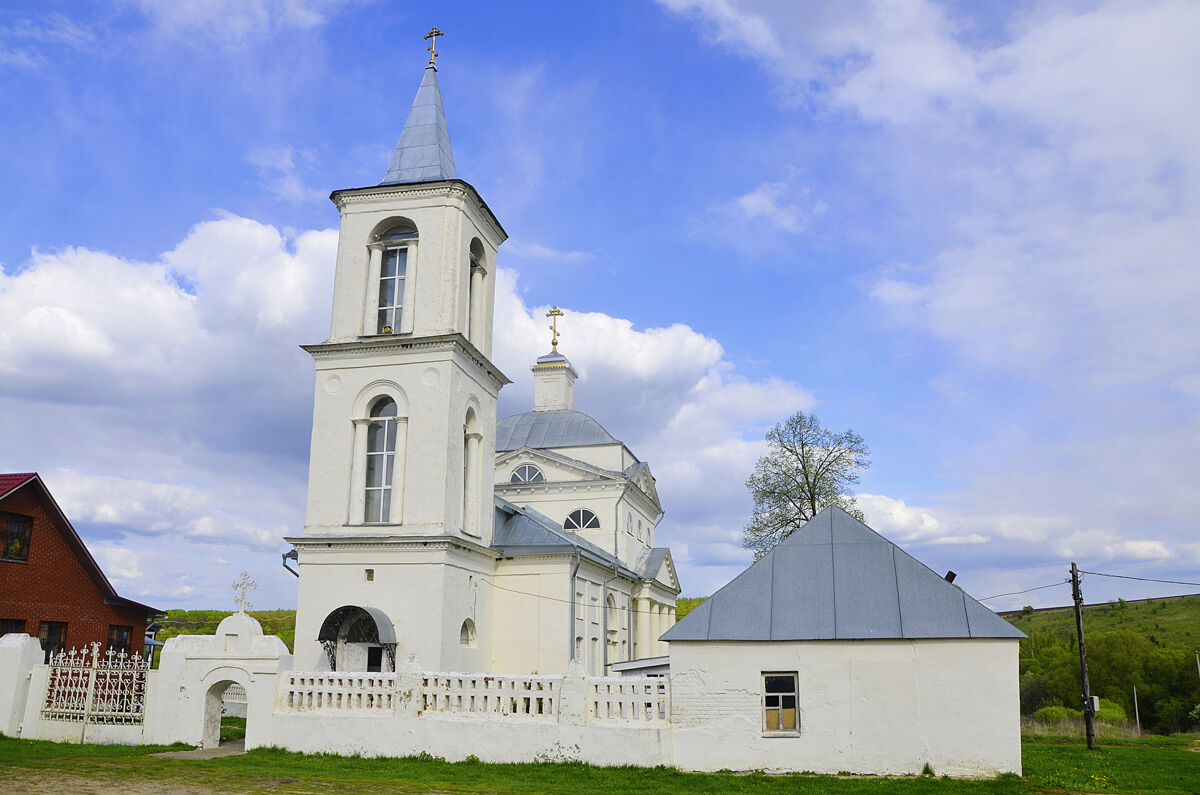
[
  {"x": 538, "y": 429},
  {"x": 521, "y": 531},
  {"x": 837, "y": 579},
  {"x": 650, "y": 561},
  {"x": 423, "y": 152}
]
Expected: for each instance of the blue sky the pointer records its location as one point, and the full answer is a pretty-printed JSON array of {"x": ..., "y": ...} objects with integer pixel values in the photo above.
[{"x": 966, "y": 232}]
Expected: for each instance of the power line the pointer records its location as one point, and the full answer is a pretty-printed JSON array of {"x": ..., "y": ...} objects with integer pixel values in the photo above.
[
  {"x": 1027, "y": 590},
  {"x": 1142, "y": 579}
]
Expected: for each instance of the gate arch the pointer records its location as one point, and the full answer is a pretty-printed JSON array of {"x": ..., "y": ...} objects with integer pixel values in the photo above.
[{"x": 357, "y": 638}]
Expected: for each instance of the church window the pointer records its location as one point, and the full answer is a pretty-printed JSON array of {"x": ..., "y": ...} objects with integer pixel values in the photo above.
[
  {"x": 579, "y": 648},
  {"x": 466, "y": 635},
  {"x": 381, "y": 460},
  {"x": 581, "y": 519},
  {"x": 475, "y": 295},
  {"x": 780, "y": 714},
  {"x": 594, "y": 659},
  {"x": 527, "y": 473},
  {"x": 629, "y": 523},
  {"x": 579, "y": 605},
  {"x": 639, "y": 532},
  {"x": 613, "y": 620},
  {"x": 14, "y": 536},
  {"x": 393, "y": 269}
]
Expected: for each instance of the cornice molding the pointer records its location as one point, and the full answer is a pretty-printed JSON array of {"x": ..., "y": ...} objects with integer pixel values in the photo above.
[
  {"x": 386, "y": 344},
  {"x": 393, "y": 543},
  {"x": 454, "y": 188}
]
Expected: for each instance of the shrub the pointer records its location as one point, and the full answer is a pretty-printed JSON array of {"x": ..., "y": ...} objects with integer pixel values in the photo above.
[
  {"x": 1112, "y": 713},
  {"x": 1056, "y": 715}
]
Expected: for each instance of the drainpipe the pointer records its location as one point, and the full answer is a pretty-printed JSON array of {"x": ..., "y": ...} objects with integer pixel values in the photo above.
[
  {"x": 291, "y": 556},
  {"x": 571, "y": 617}
]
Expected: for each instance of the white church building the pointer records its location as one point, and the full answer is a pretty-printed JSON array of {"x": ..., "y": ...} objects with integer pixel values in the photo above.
[
  {"x": 491, "y": 588},
  {"x": 431, "y": 528}
]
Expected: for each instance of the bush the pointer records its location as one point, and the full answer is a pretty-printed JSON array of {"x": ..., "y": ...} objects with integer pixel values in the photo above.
[
  {"x": 1056, "y": 715},
  {"x": 1112, "y": 713}
]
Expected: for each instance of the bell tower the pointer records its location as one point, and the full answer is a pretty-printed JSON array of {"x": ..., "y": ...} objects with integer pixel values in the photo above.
[{"x": 404, "y": 413}]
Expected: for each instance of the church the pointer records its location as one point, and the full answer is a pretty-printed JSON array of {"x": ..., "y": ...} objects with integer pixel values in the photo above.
[{"x": 431, "y": 528}]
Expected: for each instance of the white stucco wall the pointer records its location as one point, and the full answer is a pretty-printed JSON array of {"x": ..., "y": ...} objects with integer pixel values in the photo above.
[
  {"x": 886, "y": 707},
  {"x": 19, "y": 653}
]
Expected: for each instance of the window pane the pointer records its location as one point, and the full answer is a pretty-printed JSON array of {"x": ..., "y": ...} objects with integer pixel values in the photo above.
[
  {"x": 771, "y": 701},
  {"x": 391, "y": 434},
  {"x": 391, "y": 461},
  {"x": 387, "y": 291},
  {"x": 785, "y": 683},
  {"x": 384, "y": 407},
  {"x": 385, "y": 508},
  {"x": 373, "y": 505},
  {"x": 772, "y": 720},
  {"x": 374, "y": 471},
  {"x": 385, "y": 322},
  {"x": 399, "y": 295},
  {"x": 376, "y": 437},
  {"x": 789, "y": 702},
  {"x": 401, "y": 262},
  {"x": 388, "y": 266},
  {"x": 788, "y": 720}
]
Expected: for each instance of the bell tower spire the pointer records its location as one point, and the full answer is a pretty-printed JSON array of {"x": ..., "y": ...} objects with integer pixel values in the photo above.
[{"x": 423, "y": 152}]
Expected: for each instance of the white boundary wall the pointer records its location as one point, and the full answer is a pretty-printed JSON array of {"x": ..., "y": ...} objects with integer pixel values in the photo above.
[{"x": 878, "y": 707}]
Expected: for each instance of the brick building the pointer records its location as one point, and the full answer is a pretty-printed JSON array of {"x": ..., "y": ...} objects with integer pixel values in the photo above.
[{"x": 50, "y": 585}]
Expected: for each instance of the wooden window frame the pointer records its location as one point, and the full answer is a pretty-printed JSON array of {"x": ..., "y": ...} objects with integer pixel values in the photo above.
[{"x": 776, "y": 702}]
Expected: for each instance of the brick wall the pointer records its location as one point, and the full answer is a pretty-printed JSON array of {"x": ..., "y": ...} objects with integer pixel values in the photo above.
[{"x": 55, "y": 584}]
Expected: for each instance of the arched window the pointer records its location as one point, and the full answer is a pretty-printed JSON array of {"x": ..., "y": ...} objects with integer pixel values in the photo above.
[
  {"x": 472, "y": 444},
  {"x": 393, "y": 268},
  {"x": 613, "y": 619},
  {"x": 629, "y": 523},
  {"x": 527, "y": 473},
  {"x": 466, "y": 635},
  {"x": 581, "y": 519},
  {"x": 475, "y": 294},
  {"x": 381, "y": 460},
  {"x": 639, "y": 532}
]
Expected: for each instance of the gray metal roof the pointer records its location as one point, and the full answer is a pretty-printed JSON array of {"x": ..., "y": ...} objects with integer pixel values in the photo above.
[
  {"x": 423, "y": 152},
  {"x": 521, "y": 531},
  {"x": 537, "y": 429},
  {"x": 650, "y": 561},
  {"x": 837, "y": 579}
]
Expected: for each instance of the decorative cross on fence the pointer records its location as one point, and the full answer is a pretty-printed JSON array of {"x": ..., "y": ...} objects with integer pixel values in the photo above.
[{"x": 243, "y": 584}]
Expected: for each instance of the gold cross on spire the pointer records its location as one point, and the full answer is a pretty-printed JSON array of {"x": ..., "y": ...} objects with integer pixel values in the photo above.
[
  {"x": 243, "y": 584},
  {"x": 433, "y": 54},
  {"x": 554, "y": 314}
]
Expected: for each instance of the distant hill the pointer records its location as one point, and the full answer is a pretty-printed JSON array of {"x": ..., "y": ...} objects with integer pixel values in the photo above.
[
  {"x": 1149, "y": 644},
  {"x": 204, "y": 622},
  {"x": 1169, "y": 622}
]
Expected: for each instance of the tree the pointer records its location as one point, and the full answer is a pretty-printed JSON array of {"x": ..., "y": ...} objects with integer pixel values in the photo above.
[{"x": 807, "y": 467}]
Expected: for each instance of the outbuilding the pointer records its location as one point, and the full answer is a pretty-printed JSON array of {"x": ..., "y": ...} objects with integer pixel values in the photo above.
[{"x": 838, "y": 651}]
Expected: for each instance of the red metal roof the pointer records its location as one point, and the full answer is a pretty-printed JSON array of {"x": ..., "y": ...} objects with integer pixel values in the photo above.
[{"x": 10, "y": 482}]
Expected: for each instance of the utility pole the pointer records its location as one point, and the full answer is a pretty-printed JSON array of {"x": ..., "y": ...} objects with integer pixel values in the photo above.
[
  {"x": 1088, "y": 717},
  {"x": 1137, "y": 716}
]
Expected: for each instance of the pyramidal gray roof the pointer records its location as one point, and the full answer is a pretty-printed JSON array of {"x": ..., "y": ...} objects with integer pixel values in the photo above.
[
  {"x": 561, "y": 428},
  {"x": 837, "y": 579},
  {"x": 423, "y": 152}
]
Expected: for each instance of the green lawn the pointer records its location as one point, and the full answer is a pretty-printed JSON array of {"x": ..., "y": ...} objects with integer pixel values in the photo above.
[{"x": 1166, "y": 765}]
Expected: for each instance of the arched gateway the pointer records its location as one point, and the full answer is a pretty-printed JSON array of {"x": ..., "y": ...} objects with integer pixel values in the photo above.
[{"x": 358, "y": 639}]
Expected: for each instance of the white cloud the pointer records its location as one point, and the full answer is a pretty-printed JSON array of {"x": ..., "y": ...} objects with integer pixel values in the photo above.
[
  {"x": 237, "y": 23},
  {"x": 279, "y": 173},
  {"x": 1062, "y": 146},
  {"x": 771, "y": 207},
  {"x": 536, "y": 251}
]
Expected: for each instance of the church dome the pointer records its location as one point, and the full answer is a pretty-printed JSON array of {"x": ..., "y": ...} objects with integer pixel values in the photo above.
[{"x": 542, "y": 429}]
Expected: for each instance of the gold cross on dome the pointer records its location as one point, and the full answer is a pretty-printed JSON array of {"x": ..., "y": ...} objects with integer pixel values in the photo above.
[
  {"x": 244, "y": 584},
  {"x": 554, "y": 314},
  {"x": 433, "y": 34}
]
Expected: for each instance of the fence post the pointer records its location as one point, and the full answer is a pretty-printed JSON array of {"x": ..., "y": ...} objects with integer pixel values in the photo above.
[
  {"x": 408, "y": 687},
  {"x": 91, "y": 689},
  {"x": 573, "y": 698}
]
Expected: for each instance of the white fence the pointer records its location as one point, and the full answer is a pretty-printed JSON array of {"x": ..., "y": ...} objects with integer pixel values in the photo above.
[
  {"x": 337, "y": 692},
  {"x": 612, "y": 700},
  {"x": 620, "y": 699},
  {"x": 493, "y": 695},
  {"x": 85, "y": 686}
]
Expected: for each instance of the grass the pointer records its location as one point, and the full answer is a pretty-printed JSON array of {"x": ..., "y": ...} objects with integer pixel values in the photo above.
[
  {"x": 1145, "y": 766},
  {"x": 232, "y": 728}
]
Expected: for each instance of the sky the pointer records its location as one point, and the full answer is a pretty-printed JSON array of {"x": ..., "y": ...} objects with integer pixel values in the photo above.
[{"x": 967, "y": 231}]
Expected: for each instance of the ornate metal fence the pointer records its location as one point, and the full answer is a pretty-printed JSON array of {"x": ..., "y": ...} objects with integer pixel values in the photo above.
[{"x": 87, "y": 686}]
